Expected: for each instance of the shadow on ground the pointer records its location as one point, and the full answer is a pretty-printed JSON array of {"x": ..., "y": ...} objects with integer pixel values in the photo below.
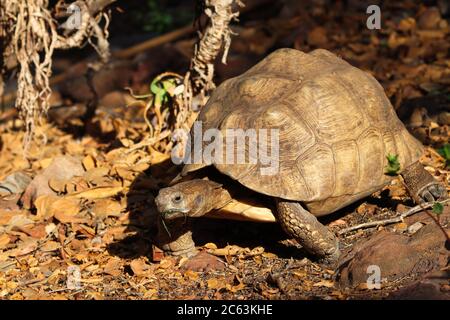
[{"x": 142, "y": 227}]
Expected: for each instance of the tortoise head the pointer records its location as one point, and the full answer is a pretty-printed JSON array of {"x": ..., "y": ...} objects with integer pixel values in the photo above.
[{"x": 193, "y": 198}]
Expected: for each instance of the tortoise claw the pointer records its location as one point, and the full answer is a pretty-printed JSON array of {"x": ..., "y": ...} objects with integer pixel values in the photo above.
[{"x": 433, "y": 192}]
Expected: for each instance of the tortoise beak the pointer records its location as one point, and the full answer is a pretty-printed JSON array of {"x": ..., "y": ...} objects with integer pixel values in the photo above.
[{"x": 171, "y": 214}]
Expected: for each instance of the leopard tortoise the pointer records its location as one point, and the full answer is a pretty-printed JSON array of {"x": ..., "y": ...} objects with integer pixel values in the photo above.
[{"x": 335, "y": 128}]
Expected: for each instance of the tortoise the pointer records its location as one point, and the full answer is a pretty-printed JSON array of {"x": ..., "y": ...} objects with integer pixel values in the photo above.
[{"x": 336, "y": 128}]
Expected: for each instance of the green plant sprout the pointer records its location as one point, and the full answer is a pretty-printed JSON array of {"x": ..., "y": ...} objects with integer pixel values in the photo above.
[
  {"x": 393, "y": 166},
  {"x": 162, "y": 88},
  {"x": 438, "y": 208},
  {"x": 445, "y": 152}
]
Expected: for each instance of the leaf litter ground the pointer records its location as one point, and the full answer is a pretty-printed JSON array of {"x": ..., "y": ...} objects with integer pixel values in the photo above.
[{"x": 92, "y": 210}]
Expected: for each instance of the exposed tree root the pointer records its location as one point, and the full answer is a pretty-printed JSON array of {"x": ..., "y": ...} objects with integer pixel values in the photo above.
[
  {"x": 30, "y": 35},
  {"x": 190, "y": 93}
]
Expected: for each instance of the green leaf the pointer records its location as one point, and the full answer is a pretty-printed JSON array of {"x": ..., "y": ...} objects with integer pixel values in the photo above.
[
  {"x": 445, "y": 152},
  {"x": 393, "y": 166},
  {"x": 158, "y": 88},
  {"x": 169, "y": 85},
  {"x": 438, "y": 208}
]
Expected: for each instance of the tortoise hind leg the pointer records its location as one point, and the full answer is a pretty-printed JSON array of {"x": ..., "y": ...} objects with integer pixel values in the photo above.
[
  {"x": 421, "y": 184},
  {"x": 307, "y": 230}
]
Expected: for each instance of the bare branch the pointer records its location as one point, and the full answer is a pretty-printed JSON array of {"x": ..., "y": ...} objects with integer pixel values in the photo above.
[{"x": 399, "y": 218}]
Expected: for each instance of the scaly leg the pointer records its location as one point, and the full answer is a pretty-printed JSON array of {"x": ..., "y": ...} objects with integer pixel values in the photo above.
[
  {"x": 307, "y": 230},
  {"x": 421, "y": 184}
]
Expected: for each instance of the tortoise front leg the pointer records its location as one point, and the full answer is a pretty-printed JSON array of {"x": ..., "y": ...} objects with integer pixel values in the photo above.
[
  {"x": 175, "y": 237},
  {"x": 307, "y": 230},
  {"x": 421, "y": 184}
]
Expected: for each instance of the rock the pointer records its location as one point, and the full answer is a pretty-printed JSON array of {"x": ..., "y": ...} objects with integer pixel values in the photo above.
[
  {"x": 61, "y": 168},
  {"x": 415, "y": 227},
  {"x": 367, "y": 209},
  {"x": 396, "y": 255},
  {"x": 203, "y": 261},
  {"x": 433, "y": 287}
]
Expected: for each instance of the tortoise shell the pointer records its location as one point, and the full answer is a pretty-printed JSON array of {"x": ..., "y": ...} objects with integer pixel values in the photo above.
[{"x": 335, "y": 124}]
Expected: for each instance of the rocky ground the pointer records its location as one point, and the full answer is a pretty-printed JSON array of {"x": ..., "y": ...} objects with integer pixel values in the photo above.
[{"x": 77, "y": 213}]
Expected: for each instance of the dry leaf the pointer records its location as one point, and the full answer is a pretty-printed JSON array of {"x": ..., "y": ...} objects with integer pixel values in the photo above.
[
  {"x": 43, "y": 205},
  {"x": 58, "y": 185},
  {"x": 269, "y": 255},
  {"x": 158, "y": 157},
  {"x": 44, "y": 163},
  {"x": 125, "y": 173},
  {"x": 139, "y": 267},
  {"x": 63, "y": 209},
  {"x": 300, "y": 273},
  {"x": 50, "y": 246},
  {"x": 112, "y": 267},
  {"x": 235, "y": 288},
  {"x": 106, "y": 207},
  {"x": 97, "y": 193},
  {"x": 217, "y": 284},
  {"x": 141, "y": 167},
  {"x": 324, "y": 283},
  {"x": 338, "y": 222},
  {"x": 230, "y": 250},
  {"x": 34, "y": 230},
  {"x": 191, "y": 275},
  {"x": 401, "y": 226},
  {"x": 18, "y": 221},
  {"x": 24, "y": 248},
  {"x": 6, "y": 216},
  {"x": 165, "y": 263},
  {"x": 4, "y": 240},
  {"x": 88, "y": 162},
  {"x": 210, "y": 245},
  {"x": 96, "y": 174},
  {"x": 407, "y": 24},
  {"x": 151, "y": 294}
]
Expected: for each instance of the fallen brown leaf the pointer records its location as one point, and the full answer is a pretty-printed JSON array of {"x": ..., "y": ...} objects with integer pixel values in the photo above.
[
  {"x": 4, "y": 240},
  {"x": 112, "y": 267},
  {"x": 139, "y": 267},
  {"x": 97, "y": 193}
]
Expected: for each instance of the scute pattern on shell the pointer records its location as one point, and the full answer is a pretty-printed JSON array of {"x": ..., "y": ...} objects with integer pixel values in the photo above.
[{"x": 335, "y": 123}]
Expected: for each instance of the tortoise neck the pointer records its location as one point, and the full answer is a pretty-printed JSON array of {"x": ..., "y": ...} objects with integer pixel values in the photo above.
[{"x": 175, "y": 237}]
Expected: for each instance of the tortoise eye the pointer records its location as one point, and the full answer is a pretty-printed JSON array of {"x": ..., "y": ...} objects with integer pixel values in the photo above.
[{"x": 177, "y": 198}]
